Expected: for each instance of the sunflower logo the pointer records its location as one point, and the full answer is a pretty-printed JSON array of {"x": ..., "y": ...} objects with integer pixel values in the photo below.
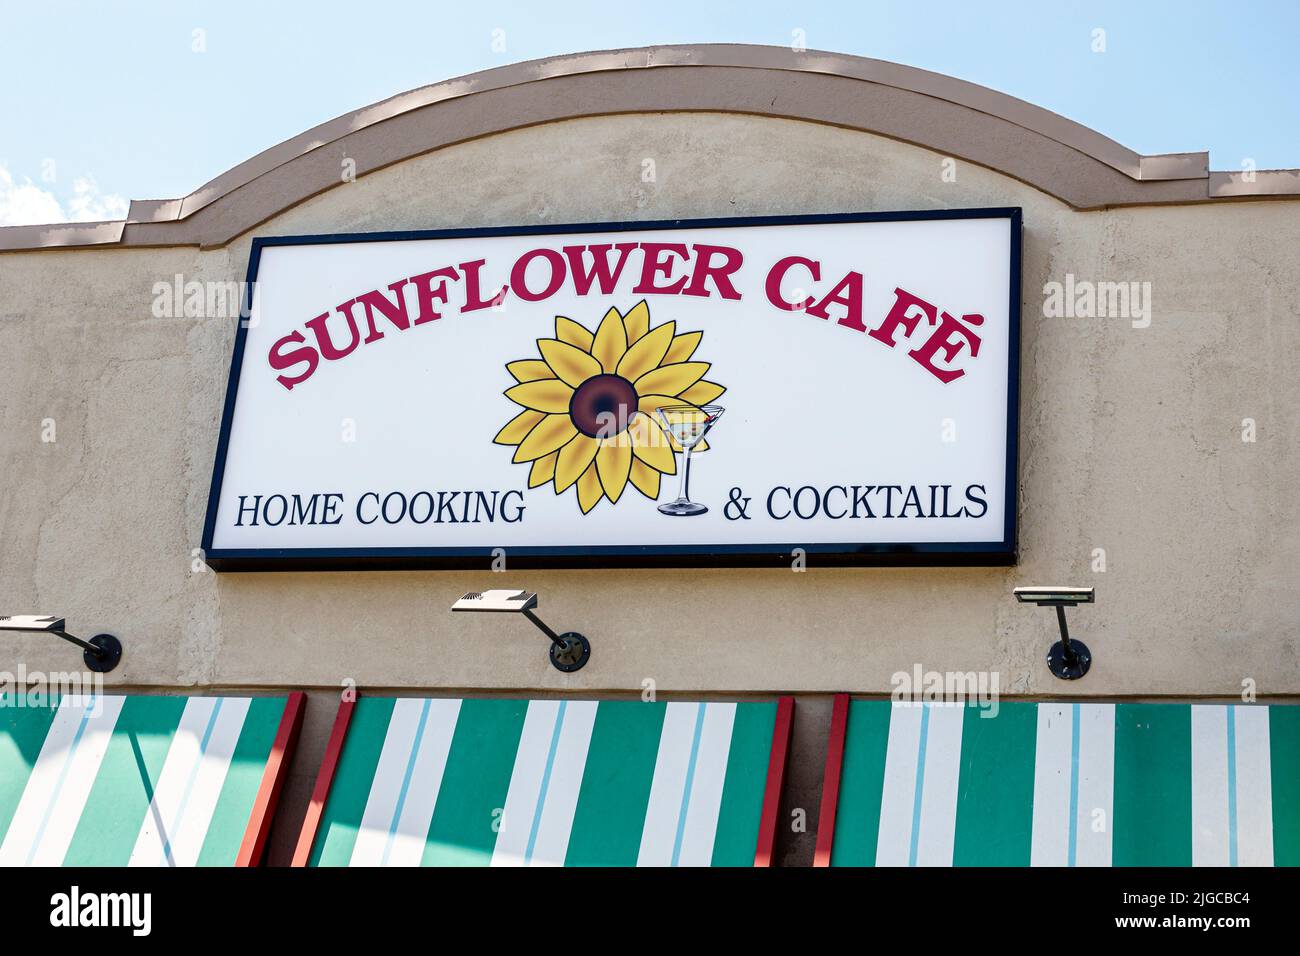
[{"x": 590, "y": 400}]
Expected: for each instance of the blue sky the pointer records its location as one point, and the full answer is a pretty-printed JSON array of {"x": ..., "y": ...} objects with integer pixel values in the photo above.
[{"x": 106, "y": 100}]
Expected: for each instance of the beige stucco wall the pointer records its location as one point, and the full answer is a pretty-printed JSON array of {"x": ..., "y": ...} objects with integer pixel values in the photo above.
[{"x": 1130, "y": 441}]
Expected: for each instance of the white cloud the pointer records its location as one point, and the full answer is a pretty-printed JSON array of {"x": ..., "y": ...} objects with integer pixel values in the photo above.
[
  {"x": 88, "y": 204},
  {"x": 24, "y": 203}
]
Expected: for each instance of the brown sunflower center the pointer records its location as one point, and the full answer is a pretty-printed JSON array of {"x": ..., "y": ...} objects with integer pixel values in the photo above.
[{"x": 603, "y": 405}]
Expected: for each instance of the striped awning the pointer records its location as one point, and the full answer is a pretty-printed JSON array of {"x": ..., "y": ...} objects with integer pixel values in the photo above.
[
  {"x": 1061, "y": 784},
  {"x": 104, "y": 780},
  {"x": 478, "y": 782}
]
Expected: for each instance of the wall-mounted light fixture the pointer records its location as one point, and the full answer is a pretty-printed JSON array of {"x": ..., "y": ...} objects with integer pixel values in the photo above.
[
  {"x": 101, "y": 653},
  {"x": 569, "y": 651},
  {"x": 1068, "y": 660}
]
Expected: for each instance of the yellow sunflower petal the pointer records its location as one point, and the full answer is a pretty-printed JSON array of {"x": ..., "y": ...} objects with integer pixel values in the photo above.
[
  {"x": 701, "y": 445},
  {"x": 667, "y": 379},
  {"x": 637, "y": 321},
  {"x": 611, "y": 341},
  {"x": 644, "y": 478},
  {"x": 548, "y": 395},
  {"x": 647, "y": 353},
  {"x": 571, "y": 364},
  {"x": 702, "y": 392},
  {"x": 552, "y": 432},
  {"x": 589, "y": 489},
  {"x": 683, "y": 347},
  {"x": 573, "y": 461},
  {"x": 529, "y": 370},
  {"x": 517, "y": 429},
  {"x": 543, "y": 470},
  {"x": 566, "y": 330},
  {"x": 613, "y": 462},
  {"x": 651, "y": 445}
]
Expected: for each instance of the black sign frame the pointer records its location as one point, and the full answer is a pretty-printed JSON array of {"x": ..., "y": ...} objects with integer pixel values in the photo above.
[{"x": 893, "y": 554}]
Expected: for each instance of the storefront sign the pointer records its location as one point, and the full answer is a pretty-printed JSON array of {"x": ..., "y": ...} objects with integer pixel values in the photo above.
[{"x": 846, "y": 384}]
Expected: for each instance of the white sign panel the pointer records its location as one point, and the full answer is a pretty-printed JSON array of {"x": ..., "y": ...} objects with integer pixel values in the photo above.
[{"x": 845, "y": 385}]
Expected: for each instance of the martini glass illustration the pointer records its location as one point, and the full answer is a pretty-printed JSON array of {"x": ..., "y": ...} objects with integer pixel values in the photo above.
[{"x": 688, "y": 424}]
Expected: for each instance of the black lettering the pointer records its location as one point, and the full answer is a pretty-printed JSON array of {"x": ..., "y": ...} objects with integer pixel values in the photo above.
[
  {"x": 860, "y": 498},
  {"x": 411, "y": 509},
  {"x": 817, "y": 501},
  {"x": 257, "y": 503},
  {"x": 362, "y": 501},
  {"x": 519, "y": 512},
  {"x": 770, "y": 495},
  {"x": 329, "y": 505},
  {"x": 400, "y": 514},
  {"x": 445, "y": 504},
  {"x": 913, "y": 501}
]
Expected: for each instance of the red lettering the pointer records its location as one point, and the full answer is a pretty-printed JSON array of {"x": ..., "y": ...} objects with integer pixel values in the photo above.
[
  {"x": 848, "y": 294},
  {"x": 942, "y": 340},
  {"x": 473, "y": 299},
  {"x": 600, "y": 270},
  {"x": 394, "y": 312},
  {"x": 901, "y": 313},
  {"x": 281, "y": 360},
  {"x": 324, "y": 343},
  {"x": 426, "y": 293},
  {"x": 655, "y": 265},
  {"x": 720, "y": 274},
  {"x": 777, "y": 274},
  {"x": 519, "y": 274}
]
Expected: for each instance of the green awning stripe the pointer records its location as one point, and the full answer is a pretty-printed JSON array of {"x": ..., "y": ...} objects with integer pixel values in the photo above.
[
  {"x": 1153, "y": 785},
  {"x": 243, "y": 779},
  {"x": 616, "y": 784},
  {"x": 114, "y": 781},
  {"x": 547, "y": 782},
  {"x": 341, "y": 819},
  {"x": 399, "y": 807},
  {"x": 1071, "y": 784},
  {"x": 740, "y": 815},
  {"x": 474, "y": 784},
  {"x": 23, "y": 729},
  {"x": 189, "y": 785},
  {"x": 995, "y": 799},
  {"x": 1284, "y": 745},
  {"x": 124, "y": 788},
  {"x": 61, "y": 780},
  {"x": 862, "y": 782}
]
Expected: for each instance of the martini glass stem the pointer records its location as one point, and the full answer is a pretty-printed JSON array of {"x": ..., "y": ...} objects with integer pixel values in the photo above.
[{"x": 684, "y": 489}]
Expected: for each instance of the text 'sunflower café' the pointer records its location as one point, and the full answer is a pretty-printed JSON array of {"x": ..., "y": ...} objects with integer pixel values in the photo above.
[{"x": 683, "y": 456}]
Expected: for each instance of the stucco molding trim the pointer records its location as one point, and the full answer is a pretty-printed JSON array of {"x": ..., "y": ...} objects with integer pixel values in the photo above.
[{"x": 1064, "y": 159}]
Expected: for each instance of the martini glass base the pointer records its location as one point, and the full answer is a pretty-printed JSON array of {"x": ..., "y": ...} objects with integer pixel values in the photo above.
[{"x": 682, "y": 507}]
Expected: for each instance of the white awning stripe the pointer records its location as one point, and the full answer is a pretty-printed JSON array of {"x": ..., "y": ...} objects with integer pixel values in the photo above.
[
  {"x": 672, "y": 765},
  {"x": 1232, "y": 798},
  {"x": 1074, "y": 784},
  {"x": 544, "y": 786},
  {"x": 558, "y": 799},
  {"x": 190, "y": 783},
  {"x": 60, "y": 781},
  {"x": 421, "y": 784},
  {"x": 404, "y": 728},
  {"x": 693, "y": 845},
  {"x": 919, "y": 797}
]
